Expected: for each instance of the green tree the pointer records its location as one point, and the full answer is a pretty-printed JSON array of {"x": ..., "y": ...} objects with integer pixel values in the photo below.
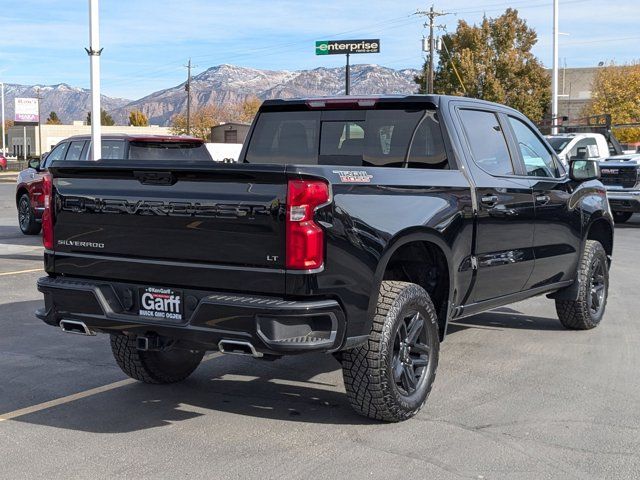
[
  {"x": 53, "y": 119},
  {"x": 494, "y": 62},
  {"x": 616, "y": 90},
  {"x": 138, "y": 119},
  {"x": 105, "y": 119}
]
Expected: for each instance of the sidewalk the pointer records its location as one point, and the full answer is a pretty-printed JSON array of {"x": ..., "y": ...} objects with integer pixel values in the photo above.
[{"x": 8, "y": 177}]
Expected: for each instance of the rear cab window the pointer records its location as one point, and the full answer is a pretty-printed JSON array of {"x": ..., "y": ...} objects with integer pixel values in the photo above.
[
  {"x": 385, "y": 137},
  {"x": 150, "y": 150}
]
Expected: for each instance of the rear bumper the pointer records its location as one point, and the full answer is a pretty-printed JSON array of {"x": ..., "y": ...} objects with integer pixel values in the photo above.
[
  {"x": 624, "y": 200},
  {"x": 273, "y": 326}
]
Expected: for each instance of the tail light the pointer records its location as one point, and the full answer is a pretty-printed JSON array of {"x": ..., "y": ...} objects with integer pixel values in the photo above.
[
  {"x": 305, "y": 238},
  {"x": 47, "y": 214}
]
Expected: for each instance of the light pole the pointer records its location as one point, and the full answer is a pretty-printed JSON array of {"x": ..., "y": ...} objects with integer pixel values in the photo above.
[
  {"x": 554, "y": 74},
  {"x": 94, "y": 52}
]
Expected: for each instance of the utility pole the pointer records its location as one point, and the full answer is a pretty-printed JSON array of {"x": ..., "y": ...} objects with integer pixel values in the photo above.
[
  {"x": 554, "y": 72},
  {"x": 347, "y": 80},
  {"x": 94, "y": 52},
  {"x": 431, "y": 14},
  {"x": 187, "y": 88},
  {"x": 39, "y": 97},
  {"x": 4, "y": 151}
]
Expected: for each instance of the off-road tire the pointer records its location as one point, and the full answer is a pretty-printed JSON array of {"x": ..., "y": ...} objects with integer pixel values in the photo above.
[
  {"x": 621, "y": 217},
  {"x": 577, "y": 314},
  {"x": 367, "y": 369},
  {"x": 28, "y": 224},
  {"x": 165, "y": 366}
]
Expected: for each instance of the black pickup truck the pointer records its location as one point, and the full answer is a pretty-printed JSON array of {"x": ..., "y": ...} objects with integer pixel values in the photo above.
[{"x": 354, "y": 226}]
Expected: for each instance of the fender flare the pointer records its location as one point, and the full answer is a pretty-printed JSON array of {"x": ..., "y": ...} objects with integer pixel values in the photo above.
[{"x": 403, "y": 237}]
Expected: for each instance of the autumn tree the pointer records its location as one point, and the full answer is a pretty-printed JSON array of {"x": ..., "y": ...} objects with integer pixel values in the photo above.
[
  {"x": 105, "y": 119},
  {"x": 53, "y": 119},
  {"x": 138, "y": 119},
  {"x": 248, "y": 109},
  {"x": 616, "y": 90},
  {"x": 494, "y": 62},
  {"x": 201, "y": 121}
]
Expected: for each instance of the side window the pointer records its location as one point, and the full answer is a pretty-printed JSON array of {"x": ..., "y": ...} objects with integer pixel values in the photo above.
[
  {"x": 74, "y": 150},
  {"x": 427, "y": 149},
  {"x": 486, "y": 141},
  {"x": 585, "y": 148},
  {"x": 538, "y": 161},
  {"x": 56, "y": 154},
  {"x": 113, "y": 150}
]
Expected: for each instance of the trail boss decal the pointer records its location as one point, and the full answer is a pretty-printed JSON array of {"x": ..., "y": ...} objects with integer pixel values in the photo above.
[
  {"x": 160, "y": 303},
  {"x": 353, "y": 176}
]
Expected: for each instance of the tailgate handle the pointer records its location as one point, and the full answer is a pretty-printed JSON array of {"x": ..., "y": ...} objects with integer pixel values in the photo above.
[{"x": 155, "y": 178}]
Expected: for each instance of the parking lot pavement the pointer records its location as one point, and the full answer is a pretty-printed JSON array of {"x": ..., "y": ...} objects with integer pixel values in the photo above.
[{"x": 516, "y": 397}]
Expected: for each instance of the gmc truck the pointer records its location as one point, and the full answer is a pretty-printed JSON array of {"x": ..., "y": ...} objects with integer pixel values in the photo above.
[
  {"x": 359, "y": 227},
  {"x": 621, "y": 176}
]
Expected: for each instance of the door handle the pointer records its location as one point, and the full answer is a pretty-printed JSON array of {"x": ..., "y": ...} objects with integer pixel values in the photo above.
[
  {"x": 489, "y": 200},
  {"x": 542, "y": 199}
]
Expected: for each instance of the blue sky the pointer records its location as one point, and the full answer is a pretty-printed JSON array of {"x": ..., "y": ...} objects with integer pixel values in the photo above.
[{"x": 147, "y": 42}]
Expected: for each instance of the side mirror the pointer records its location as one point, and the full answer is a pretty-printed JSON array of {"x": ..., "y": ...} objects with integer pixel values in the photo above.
[
  {"x": 583, "y": 170},
  {"x": 34, "y": 163}
]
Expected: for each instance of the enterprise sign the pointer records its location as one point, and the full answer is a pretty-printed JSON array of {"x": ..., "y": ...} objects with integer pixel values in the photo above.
[{"x": 341, "y": 47}]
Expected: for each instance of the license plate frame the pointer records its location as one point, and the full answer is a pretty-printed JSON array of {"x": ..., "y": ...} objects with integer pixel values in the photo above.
[{"x": 161, "y": 304}]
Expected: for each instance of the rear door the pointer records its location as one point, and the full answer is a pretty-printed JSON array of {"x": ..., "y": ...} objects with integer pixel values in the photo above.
[
  {"x": 504, "y": 236},
  {"x": 557, "y": 236}
]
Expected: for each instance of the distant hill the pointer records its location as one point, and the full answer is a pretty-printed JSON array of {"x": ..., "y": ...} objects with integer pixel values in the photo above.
[
  {"x": 69, "y": 103},
  {"x": 228, "y": 84},
  {"x": 219, "y": 85}
]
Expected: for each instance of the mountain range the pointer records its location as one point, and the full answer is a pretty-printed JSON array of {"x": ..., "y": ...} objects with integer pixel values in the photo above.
[{"x": 216, "y": 86}]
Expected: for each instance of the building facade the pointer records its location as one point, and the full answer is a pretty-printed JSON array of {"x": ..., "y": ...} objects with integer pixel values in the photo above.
[
  {"x": 231, "y": 132},
  {"x": 23, "y": 141}
]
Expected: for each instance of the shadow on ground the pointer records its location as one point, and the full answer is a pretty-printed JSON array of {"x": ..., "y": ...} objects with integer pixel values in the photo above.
[{"x": 306, "y": 388}]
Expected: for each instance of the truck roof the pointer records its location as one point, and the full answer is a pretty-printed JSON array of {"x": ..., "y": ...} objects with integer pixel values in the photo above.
[
  {"x": 368, "y": 101},
  {"x": 141, "y": 138},
  {"x": 575, "y": 135}
]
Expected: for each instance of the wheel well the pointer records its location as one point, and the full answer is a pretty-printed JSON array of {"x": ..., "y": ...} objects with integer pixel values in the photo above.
[
  {"x": 601, "y": 231},
  {"x": 424, "y": 264},
  {"x": 21, "y": 191}
]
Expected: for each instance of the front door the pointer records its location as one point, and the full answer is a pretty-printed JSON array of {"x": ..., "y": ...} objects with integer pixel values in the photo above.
[{"x": 557, "y": 237}]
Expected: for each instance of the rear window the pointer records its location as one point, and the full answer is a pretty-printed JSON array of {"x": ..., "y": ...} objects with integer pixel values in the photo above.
[
  {"x": 168, "y": 151},
  {"x": 383, "y": 138}
]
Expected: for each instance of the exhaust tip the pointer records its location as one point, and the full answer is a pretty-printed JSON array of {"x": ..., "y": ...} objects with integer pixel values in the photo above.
[
  {"x": 238, "y": 347},
  {"x": 76, "y": 327}
]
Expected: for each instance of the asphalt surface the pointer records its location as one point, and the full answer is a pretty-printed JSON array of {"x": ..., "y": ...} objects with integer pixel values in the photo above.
[{"x": 516, "y": 397}]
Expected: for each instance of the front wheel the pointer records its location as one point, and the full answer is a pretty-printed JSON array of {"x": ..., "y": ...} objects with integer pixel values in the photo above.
[
  {"x": 587, "y": 310},
  {"x": 165, "y": 366},
  {"x": 389, "y": 377},
  {"x": 621, "y": 217}
]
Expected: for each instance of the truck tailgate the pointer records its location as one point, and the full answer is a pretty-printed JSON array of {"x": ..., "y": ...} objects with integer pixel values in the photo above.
[{"x": 195, "y": 224}]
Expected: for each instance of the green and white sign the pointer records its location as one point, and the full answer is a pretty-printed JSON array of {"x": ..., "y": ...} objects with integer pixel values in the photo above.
[{"x": 342, "y": 47}]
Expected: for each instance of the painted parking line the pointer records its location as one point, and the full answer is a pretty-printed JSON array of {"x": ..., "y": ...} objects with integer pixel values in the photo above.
[
  {"x": 77, "y": 396},
  {"x": 4, "y": 274}
]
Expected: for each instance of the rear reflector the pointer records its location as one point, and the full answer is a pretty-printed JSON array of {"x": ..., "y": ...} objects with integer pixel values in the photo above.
[
  {"x": 47, "y": 214},
  {"x": 305, "y": 238}
]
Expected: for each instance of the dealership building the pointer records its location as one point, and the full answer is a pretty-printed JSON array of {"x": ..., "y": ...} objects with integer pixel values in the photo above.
[{"x": 23, "y": 140}]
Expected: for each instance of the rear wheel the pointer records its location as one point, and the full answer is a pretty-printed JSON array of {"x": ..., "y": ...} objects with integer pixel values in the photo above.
[
  {"x": 621, "y": 217},
  {"x": 164, "y": 366},
  {"x": 587, "y": 310},
  {"x": 389, "y": 377},
  {"x": 27, "y": 217}
]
